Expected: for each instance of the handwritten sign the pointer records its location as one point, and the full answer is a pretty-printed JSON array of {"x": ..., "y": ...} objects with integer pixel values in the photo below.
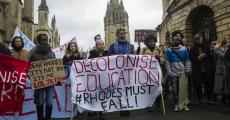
[{"x": 47, "y": 73}]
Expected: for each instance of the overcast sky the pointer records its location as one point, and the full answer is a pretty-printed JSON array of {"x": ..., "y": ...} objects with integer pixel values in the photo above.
[{"x": 85, "y": 18}]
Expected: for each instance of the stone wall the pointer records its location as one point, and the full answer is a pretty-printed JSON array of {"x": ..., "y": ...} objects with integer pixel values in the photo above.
[{"x": 179, "y": 18}]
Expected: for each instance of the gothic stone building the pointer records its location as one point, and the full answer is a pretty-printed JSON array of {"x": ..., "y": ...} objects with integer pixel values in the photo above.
[
  {"x": 116, "y": 17},
  {"x": 43, "y": 26},
  {"x": 20, "y": 13},
  {"x": 210, "y": 17}
]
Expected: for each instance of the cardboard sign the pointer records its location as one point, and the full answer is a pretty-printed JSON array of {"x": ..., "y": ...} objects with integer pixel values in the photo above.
[
  {"x": 115, "y": 83},
  {"x": 141, "y": 34},
  {"x": 46, "y": 73}
]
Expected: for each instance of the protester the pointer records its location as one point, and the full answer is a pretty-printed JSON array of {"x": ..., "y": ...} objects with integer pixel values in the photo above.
[
  {"x": 72, "y": 53},
  {"x": 18, "y": 49},
  {"x": 121, "y": 46},
  {"x": 201, "y": 68},
  {"x": 97, "y": 37},
  {"x": 177, "y": 65},
  {"x": 4, "y": 49},
  {"x": 153, "y": 50},
  {"x": 98, "y": 52},
  {"x": 222, "y": 75},
  {"x": 43, "y": 51}
]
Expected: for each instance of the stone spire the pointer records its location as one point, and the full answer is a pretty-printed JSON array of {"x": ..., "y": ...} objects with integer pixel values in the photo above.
[
  {"x": 53, "y": 22},
  {"x": 115, "y": 18},
  {"x": 114, "y": 2},
  {"x": 121, "y": 4},
  {"x": 43, "y": 15},
  {"x": 43, "y": 6}
]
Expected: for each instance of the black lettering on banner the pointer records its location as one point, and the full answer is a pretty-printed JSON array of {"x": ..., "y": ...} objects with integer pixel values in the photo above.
[
  {"x": 86, "y": 97},
  {"x": 102, "y": 95},
  {"x": 121, "y": 106},
  {"x": 112, "y": 98},
  {"x": 128, "y": 91},
  {"x": 103, "y": 105},
  {"x": 78, "y": 98},
  {"x": 108, "y": 94},
  {"x": 127, "y": 99},
  {"x": 150, "y": 86},
  {"x": 136, "y": 101},
  {"x": 143, "y": 90},
  {"x": 111, "y": 103},
  {"x": 93, "y": 98}
]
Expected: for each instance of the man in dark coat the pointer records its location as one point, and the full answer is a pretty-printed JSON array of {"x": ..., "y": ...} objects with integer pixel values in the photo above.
[{"x": 201, "y": 68}]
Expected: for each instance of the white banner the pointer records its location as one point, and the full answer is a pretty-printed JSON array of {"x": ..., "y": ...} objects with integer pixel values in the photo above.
[
  {"x": 60, "y": 51},
  {"x": 115, "y": 83},
  {"x": 61, "y": 102},
  {"x": 28, "y": 43}
]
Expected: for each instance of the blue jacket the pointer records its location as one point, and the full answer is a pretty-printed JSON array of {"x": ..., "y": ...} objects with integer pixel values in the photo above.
[
  {"x": 121, "y": 47},
  {"x": 177, "y": 61}
]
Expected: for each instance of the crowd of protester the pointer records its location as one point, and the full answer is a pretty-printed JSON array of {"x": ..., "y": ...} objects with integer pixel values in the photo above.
[{"x": 206, "y": 66}]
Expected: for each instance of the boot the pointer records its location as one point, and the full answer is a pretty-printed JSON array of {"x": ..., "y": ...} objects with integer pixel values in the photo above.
[
  {"x": 40, "y": 112},
  {"x": 48, "y": 112}
]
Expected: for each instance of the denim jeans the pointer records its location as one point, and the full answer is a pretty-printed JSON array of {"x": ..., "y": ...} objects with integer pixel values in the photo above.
[
  {"x": 44, "y": 94},
  {"x": 175, "y": 88}
]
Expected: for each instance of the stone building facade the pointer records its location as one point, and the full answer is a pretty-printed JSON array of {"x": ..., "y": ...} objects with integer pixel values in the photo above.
[
  {"x": 210, "y": 17},
  {"x": 116, "y": 17},
  {"x": 20, "y": 13}
]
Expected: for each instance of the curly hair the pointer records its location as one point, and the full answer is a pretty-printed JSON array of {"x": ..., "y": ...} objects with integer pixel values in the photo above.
[
  {"x": 174, "y": 33},
  {"x": 13, "y": 42},
  {"x": 148, "y": 38}
]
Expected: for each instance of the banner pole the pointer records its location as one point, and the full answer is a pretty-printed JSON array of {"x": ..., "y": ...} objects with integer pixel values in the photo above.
[
  {"x": 163, "y": 103},
  {"x": 72, "y": 111}
]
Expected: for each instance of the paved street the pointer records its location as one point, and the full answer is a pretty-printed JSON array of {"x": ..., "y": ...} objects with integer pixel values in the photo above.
[{"x": 198, "y": 112}]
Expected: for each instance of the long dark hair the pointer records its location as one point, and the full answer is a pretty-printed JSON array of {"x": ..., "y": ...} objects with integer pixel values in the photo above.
[
  {"x": 13, "y": 42},
  {"x": 68, "y": 51}
]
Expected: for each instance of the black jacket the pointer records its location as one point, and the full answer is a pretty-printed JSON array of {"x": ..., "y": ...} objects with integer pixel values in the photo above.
[
  {"x": 70, "y": 59},
  {"x": 95, "y": 54},
  {"x": 197, "y": 65}
]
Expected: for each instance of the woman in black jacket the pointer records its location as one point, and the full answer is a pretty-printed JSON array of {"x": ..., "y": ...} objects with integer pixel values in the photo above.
[{"x": 72, "y": 53}]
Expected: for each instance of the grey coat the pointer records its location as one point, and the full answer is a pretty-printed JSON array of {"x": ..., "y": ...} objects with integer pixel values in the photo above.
[{"x": 222, "y": 80}]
